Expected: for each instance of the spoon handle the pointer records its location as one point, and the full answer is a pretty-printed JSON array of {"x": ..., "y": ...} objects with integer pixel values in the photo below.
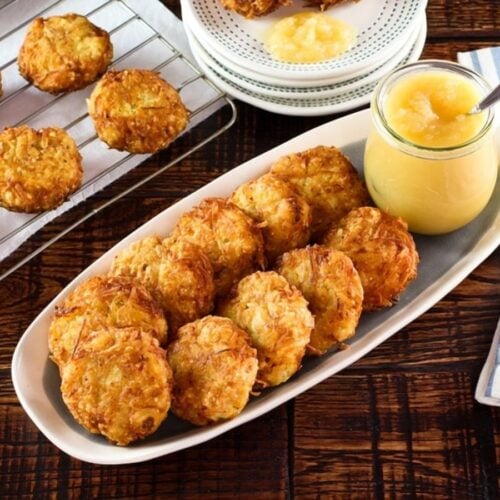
[{"x": 487, "y": 101}]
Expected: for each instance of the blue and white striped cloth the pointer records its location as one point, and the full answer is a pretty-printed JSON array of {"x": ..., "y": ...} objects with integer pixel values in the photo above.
[
  {"x": 488, "y": 385},
  {"x": 483, "y": 61},
  {"x": 487, "y": 63}
]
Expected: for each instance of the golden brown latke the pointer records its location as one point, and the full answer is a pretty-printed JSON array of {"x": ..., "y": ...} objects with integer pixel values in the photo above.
[
  {"x": 283, "y": 215},
  {"x": 254, "y": 8},
  {"x": 382, "y": 250},
  {"x": 136, "y": 110},
  {"x": 276, "y": 317},
  {"x": 38, "y": 169},
  {"x": 214, "y": 370},
  {"x": 100, "y": 302},
  {"x": 64, "y": 53},
  {"x": 177, "y": 273},
  {"x": 118, "y": 384},
  {"x": 230, "y": 238},
  {"x": 330, "y": 283},
  {"x": 188, "y": 277},
  {"x": 328, "y": 182}
]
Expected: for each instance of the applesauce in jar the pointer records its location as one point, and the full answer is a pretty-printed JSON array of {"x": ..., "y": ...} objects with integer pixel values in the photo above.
[{"x": 426, "y": 160}]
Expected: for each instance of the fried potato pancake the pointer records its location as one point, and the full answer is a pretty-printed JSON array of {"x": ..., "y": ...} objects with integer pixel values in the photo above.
[
  {"x": 38, "y": 169},
  {"x": 214, "y": 370},
  {"x": 325, "y": 177},
  {"x": 382, "y": 250},
  {"x": 64, "y": 53},
  {"x": 276, "y": 317},
  {"x": 231, "y": 240},
  {"x": 136, "y": 110},
  {"x": 253, "y": 8},
  {"x": 330, "y": 283},
  {"x": 118, "y": 384},
  {"x": 100, "y": 302},
  {"x": 177, "y": 273},
  {"x": 283, "y": 215}
]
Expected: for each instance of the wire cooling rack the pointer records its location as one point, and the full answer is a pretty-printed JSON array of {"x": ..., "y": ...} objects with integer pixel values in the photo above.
[{"x": 139, "y": 44}]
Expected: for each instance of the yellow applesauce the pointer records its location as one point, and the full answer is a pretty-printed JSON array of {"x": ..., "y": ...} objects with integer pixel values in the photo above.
[
  {"x": 425, "y": 160},
  {"x": 429, "y": 109},
  {"x": 309, "y": 37}
]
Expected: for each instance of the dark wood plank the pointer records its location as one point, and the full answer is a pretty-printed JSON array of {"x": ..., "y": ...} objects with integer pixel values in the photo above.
[
  {"x": 455, "y": 19},
  {"x": 394, "y": 435},
  {"x": 218, "y": 469}
]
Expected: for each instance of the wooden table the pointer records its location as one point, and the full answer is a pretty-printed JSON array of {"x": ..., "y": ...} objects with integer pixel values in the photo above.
[{"x": 400, "y": 423}]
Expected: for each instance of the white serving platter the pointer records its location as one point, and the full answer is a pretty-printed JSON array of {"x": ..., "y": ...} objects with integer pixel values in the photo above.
[
  {"x": 383, "y": 26},
  {"x": 445, "y": 261}
]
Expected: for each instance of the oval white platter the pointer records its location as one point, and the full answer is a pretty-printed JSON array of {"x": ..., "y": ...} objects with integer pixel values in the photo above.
[
  {"x": 382, "y": 25},
  {"x": 314, "y": 92},
  {"x": 445, "y": 261},
  {"x": 344, "y": 101}
]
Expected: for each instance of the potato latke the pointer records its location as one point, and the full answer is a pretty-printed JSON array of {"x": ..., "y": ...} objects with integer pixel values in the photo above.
[
  {"x": 38, "y": 169},
  {"x": 230, "y": 238},
  {"x": 283, "y": 215},
  {"x": 327, "y": 180},
  {"x": 382, "y": 250},
  {"x": 118, "y": 384},
  {"x": 64, "y": 53},
  {"x": 103, "y": 301},
  {"x": 214, "y": 370},
  {"x": 276, "y": 317},
  {"x": 253, "y": 8},
  {"x": 177, "y": 273},
  {"x": 136, "y": 110},
  {"x": 330, "y": 283}
]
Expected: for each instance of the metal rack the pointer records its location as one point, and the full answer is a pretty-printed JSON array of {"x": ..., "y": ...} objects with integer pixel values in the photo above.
[{"x": 219, "y": 97}]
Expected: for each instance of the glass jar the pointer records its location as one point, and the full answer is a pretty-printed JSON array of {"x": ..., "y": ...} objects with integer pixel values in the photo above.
[{"x": 434, "y": 189}]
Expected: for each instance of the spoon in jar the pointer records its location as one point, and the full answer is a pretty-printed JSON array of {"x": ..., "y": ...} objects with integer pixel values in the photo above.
[{"x": 488, "y": 101}]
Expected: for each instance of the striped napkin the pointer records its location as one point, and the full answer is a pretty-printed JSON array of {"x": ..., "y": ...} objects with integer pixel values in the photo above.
[
  {"x": 483, "y": 61},
  {"x": 487, "y": 62}
]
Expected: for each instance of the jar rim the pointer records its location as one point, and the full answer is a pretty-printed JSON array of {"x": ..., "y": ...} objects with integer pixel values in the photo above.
[{"x": 430, "y": 64}]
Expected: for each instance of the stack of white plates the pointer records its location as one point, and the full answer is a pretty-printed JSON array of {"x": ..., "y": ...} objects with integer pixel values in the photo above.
[{"x": 230, "y": 50}]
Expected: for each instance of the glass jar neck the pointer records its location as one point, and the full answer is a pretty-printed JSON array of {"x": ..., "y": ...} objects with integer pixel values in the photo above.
[{"x": 396, "y": 140}]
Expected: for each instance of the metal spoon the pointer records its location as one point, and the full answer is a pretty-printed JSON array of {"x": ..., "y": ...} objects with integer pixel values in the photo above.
[{"x": 489, "y": 100}]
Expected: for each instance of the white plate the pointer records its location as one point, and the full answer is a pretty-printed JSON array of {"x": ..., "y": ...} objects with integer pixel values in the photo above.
[
  {"x": 314, "y": 92},
  {"x": 248, "y": 71},
  {"x": 445, "y": 261},
  {"x": 383, "y": 26},
  {"x": 338, "y": 103}
]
